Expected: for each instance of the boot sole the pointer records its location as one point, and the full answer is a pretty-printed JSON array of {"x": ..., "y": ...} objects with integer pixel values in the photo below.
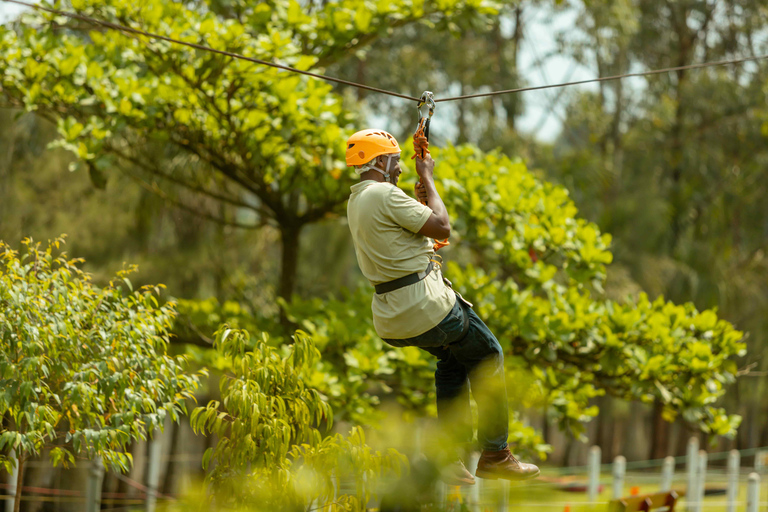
[{"x": 492, "y": 475}]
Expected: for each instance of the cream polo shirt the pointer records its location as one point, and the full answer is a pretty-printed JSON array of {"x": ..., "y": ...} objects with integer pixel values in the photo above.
[{"x": 385, "y": 222}]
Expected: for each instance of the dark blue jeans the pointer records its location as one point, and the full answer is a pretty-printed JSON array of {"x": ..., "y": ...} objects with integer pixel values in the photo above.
[{"x": 475, "y": 360}]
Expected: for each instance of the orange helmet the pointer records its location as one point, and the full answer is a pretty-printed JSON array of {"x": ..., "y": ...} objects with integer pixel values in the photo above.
[{"x": 365, "y": 145}]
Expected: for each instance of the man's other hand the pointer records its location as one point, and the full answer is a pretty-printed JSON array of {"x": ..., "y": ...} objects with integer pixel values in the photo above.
[
  {"x": 421, "y": 193},
  {"x": 424, "y": 168}
]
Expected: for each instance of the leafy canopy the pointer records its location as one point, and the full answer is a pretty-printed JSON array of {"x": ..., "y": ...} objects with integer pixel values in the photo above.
[{"x": 208, "y": 133}]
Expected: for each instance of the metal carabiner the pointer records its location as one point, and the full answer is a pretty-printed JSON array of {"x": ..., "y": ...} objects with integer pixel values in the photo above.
[{"x": 426, "y": 99}]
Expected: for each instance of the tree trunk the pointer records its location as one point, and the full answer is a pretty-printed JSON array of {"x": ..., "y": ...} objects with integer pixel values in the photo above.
[
  {"x": 677, "y": 196},
  {"x": 171, "y": 467},
  {"x": 6, "y": 175},
  {"x": 461, "y": 122},
  {"x": 289, "y": 239},
  {"x": 606, "y": 428},
  {"x": 661, "y": 431},
  {"x": 545, "y": 424},
  {"x": 511, "y": 101},
  {"x": 506, "y": 73},
  {"x": 19, "y": 482}
]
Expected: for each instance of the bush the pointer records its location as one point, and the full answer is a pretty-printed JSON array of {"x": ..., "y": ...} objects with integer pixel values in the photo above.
[{"x": 83, "y": 369}]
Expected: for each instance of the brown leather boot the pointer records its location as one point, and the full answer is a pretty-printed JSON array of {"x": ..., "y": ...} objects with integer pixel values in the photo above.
[
  {"x": 502, "y": 464},
  {"x": 456, "y": 474}
]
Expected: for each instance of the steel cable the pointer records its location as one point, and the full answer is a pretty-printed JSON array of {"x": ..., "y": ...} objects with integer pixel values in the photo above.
[
  {"x": 196, "y": 46},
  {"x": 607, "y": 78}
]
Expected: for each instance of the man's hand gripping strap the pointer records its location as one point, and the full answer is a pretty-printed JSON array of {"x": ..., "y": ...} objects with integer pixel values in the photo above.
[{"x": 421, "y": 143}]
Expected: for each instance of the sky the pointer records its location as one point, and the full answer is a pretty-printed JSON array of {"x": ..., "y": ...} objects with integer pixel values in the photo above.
[
  {"x": 540, "y": 117},
  {"x": 8, "y": 10}
]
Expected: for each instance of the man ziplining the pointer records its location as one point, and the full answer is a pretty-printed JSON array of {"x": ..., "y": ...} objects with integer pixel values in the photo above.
[{"x": 414, "y": 306}]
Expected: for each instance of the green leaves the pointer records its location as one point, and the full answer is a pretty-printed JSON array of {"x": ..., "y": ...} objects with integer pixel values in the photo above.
[
  {"x": 526, "y": 227},
  {"x": 270, "y": 446},
  {"x": 81, "y": 365}
]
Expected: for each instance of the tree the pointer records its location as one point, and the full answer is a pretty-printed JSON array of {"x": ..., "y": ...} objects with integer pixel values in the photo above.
[
  {"x": 262, "y": 145},
  {"x": 471, "y": 54},
  {"x": 83, "y": 370}
]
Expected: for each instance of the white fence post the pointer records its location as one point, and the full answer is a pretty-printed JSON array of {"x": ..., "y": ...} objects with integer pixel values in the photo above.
[
  {"x": 594, "y": 473},
  {"x": 759, "y": 462},
  {"x": 503, "y": 496},
  {"x": 12, "y": 482},
  {"x": 93, "y": 490},
  {"x": 753, "y": 492},
  {"x": 732, "y": 491},
  {"x": 701, "y": 479},
  {"x": 619, "y": 470},
  {"x": 690, "y": 468},
  {"x": 667, "y": 472},
  {"x": 153, "y": 471},
  {"x": 475, "y": 492}
]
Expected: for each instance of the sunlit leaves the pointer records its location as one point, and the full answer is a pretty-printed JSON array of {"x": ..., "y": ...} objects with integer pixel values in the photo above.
[
  {"x": 270, "y": 422},
  {"x": 524, "y": 225},
  {"x": 83, "y": 369}
]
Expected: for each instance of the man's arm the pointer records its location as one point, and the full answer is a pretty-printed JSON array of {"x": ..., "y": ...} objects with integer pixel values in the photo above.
[{"x": 438, "y": 225}]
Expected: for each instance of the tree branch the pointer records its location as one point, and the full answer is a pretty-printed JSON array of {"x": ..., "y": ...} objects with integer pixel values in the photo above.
[
  {"x": 154, "y": 169},
  {"x": 155, "y": 189}
]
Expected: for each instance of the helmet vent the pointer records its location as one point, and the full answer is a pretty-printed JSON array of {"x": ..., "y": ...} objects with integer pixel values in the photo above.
[{"x": 351, "y": 146}]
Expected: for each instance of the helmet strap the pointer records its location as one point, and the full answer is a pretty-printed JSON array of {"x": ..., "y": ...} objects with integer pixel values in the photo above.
[{"x": 385, "y": 172}]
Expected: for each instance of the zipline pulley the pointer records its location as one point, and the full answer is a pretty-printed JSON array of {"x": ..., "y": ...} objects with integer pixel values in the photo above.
[{"x": 427, "y": 100}]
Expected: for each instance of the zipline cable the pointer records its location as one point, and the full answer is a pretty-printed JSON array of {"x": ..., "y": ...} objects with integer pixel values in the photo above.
[
  {"x": 606, "y": 78},
  {"x": 196, "y": 46},
  {"x": 130, "y": 30}
]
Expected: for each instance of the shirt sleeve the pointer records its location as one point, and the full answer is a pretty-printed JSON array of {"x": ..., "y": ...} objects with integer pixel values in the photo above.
[{"x": 406, "y": 211}]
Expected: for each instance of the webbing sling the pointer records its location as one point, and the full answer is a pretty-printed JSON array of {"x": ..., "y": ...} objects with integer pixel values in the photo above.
[{"x": 404, "y": 281}]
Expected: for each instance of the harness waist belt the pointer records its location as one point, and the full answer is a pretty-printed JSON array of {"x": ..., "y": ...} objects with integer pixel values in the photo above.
[{"x": 404, "y": 281}]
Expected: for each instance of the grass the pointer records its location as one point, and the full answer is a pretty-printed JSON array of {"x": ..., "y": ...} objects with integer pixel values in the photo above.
[{"x": 540, "y": 495}]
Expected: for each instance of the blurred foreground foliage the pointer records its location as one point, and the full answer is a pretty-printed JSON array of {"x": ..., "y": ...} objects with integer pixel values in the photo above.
[{"x": 270, "y": 453}]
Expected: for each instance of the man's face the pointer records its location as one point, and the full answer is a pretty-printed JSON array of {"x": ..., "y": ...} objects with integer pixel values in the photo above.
[{"x": 394, "y": 166}]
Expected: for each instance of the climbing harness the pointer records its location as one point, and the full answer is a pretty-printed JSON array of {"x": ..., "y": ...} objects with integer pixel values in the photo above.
[
  {"x": 404, "y": 281},
  {"x": 421, "y": 142}
]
